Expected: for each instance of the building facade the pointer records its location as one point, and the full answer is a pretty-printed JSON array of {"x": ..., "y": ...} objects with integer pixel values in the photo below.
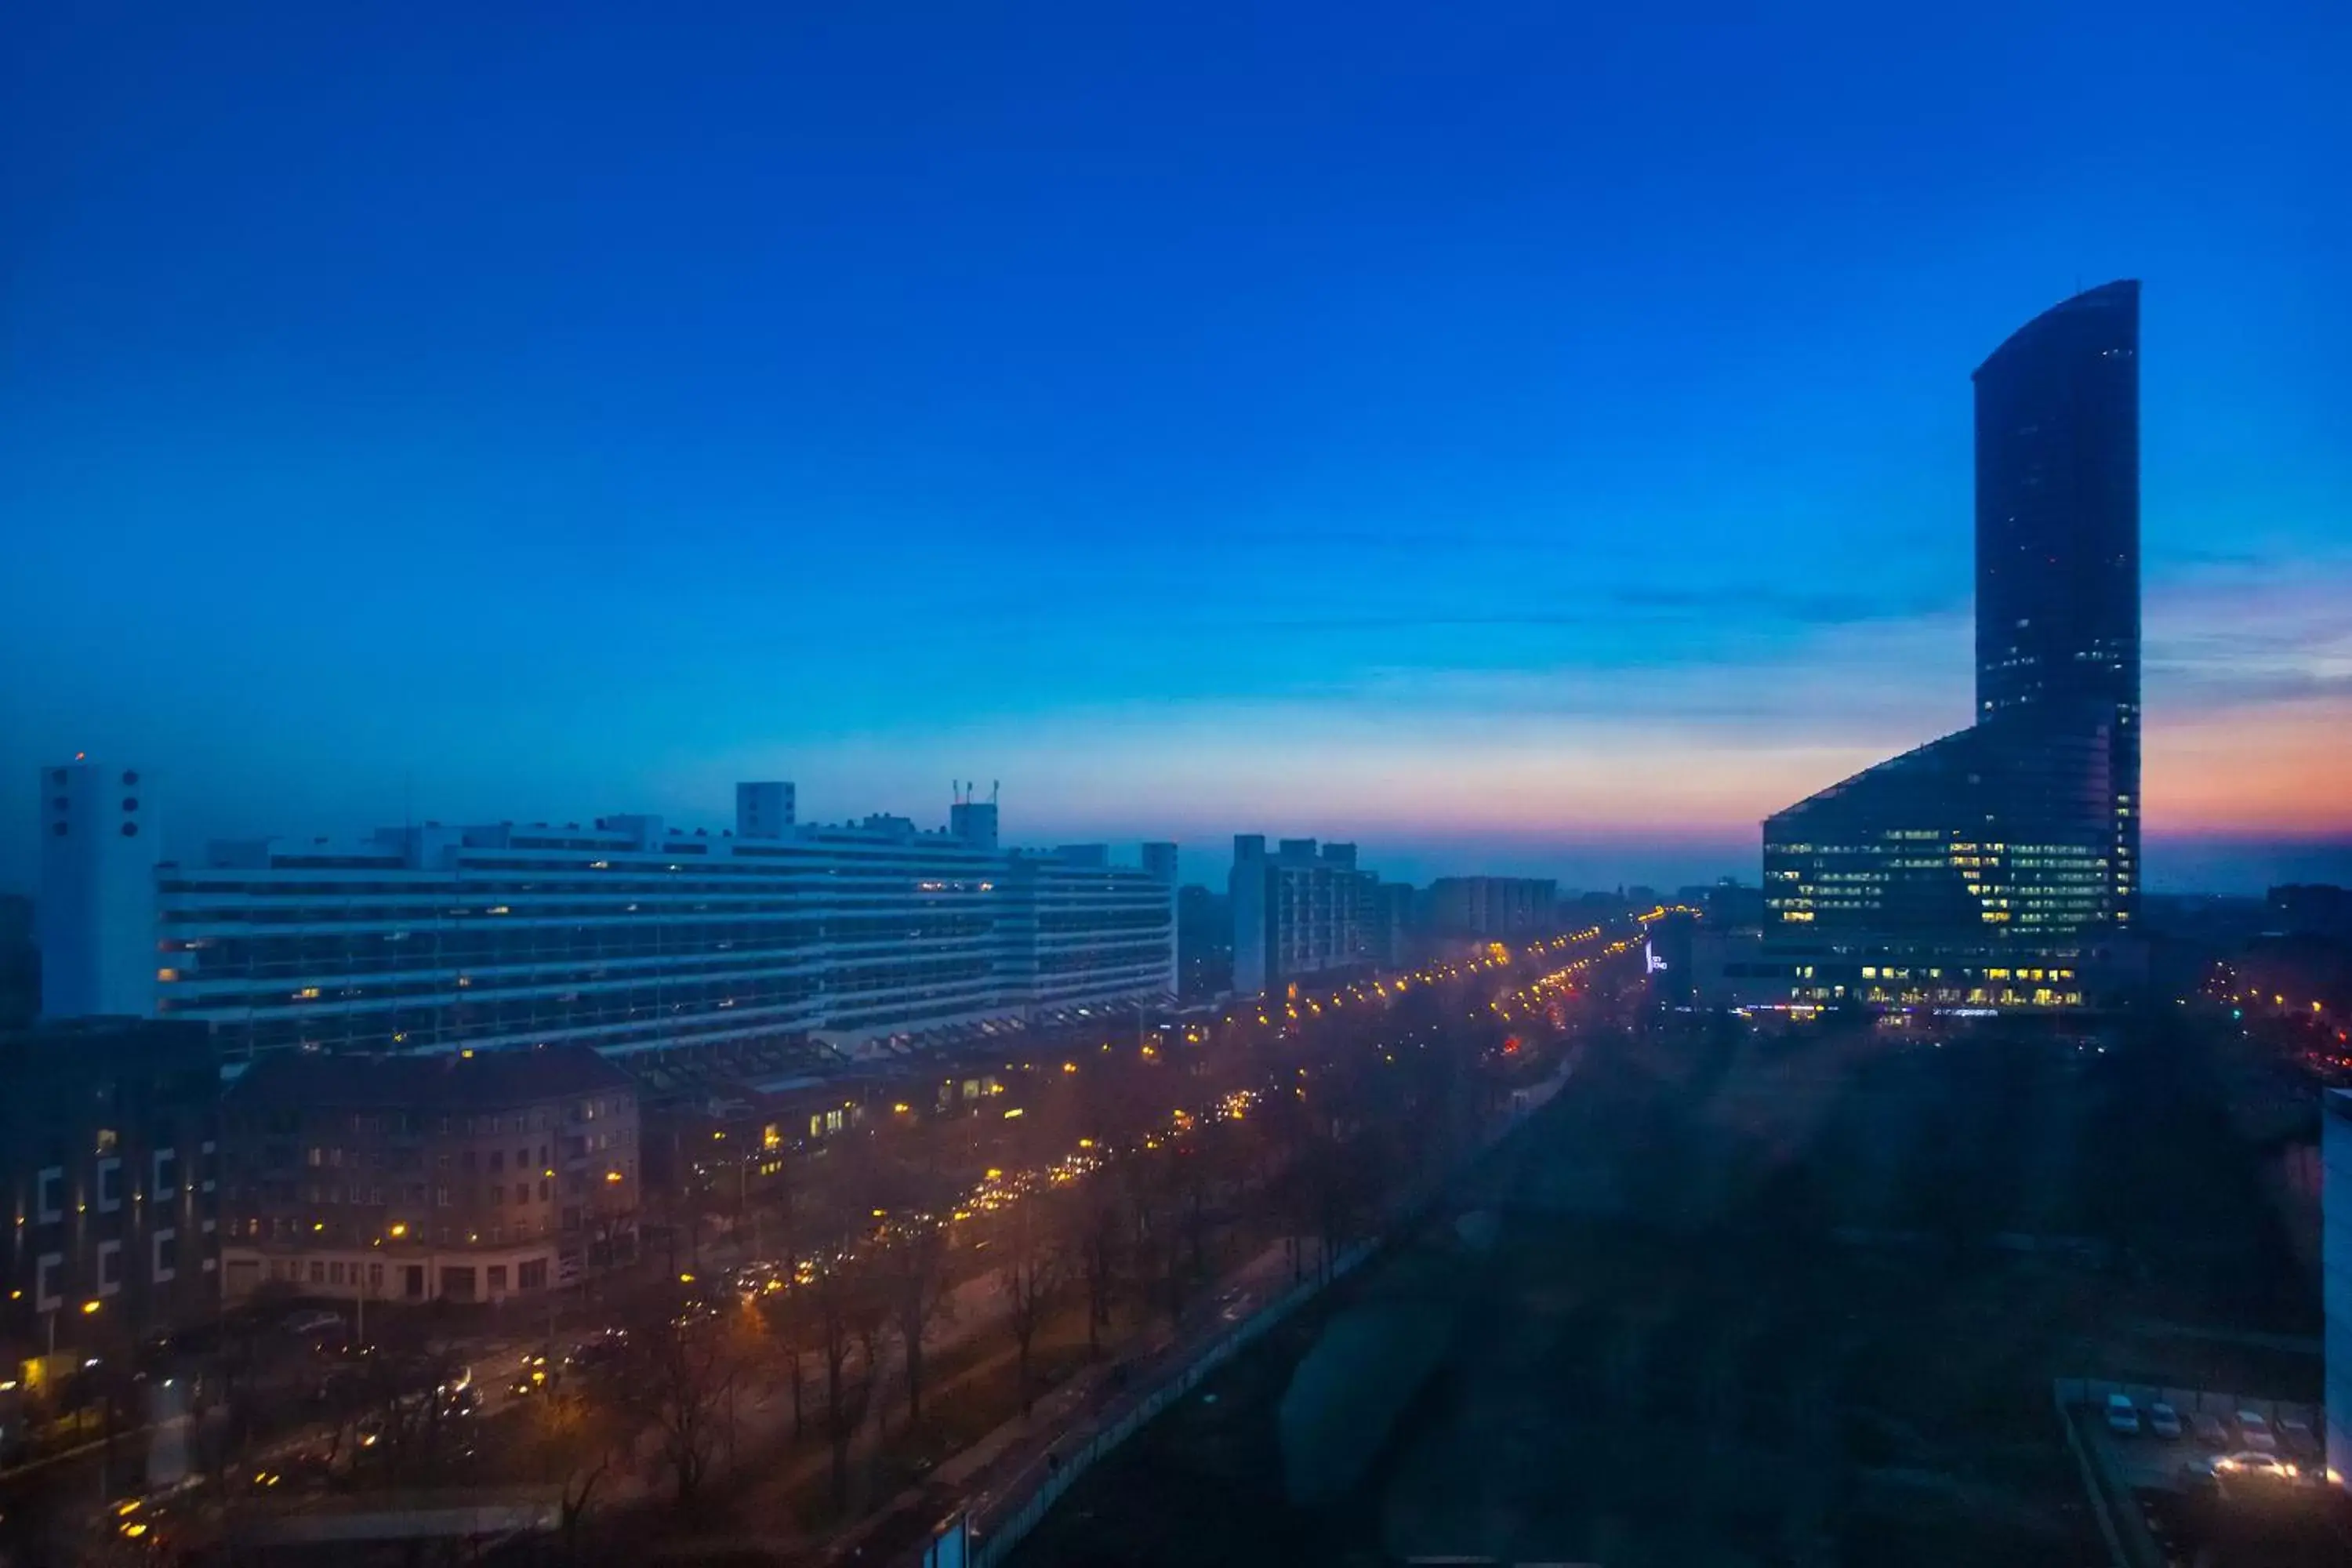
[
  {"x": 2335, "y": 1270},
  {"x": 626, "y": 934},
  {"x": 1300, "y": 910},
  {"x": 1998, "y": 867},
  {"x": 1492, "y": 906},
  {"x": 108, "y": 1150},
  {"x": 404, "y": 1178}
]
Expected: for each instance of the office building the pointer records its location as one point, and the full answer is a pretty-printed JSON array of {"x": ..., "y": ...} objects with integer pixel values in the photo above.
[
  {"x": 1394, "y": 923},
  {"x": 20, "y": 963},
  {"x": 1204, "y": 943},
  {"x": 1299, "y": 911},
  {"x": 625, "y": 934},
  {"x": 453, "y": 1177},
  {"x": 1998, "y": 867},
  {"x": 2335, "y": 1270},
  {"x": 108, "y": 1129},
  {"x": 1493, "y": 908}
]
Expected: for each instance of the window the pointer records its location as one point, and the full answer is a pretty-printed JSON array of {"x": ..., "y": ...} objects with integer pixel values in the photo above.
[
  {"x": 110, "y": 1268},
  {"x": 498, "y": 1160},
  {"x": 109, "y": 1185},
  {"x": 498, "y": 1279},
  {"x": 164, "y": 1176},
  {"x": 317, "y": 1271},
  {"x": 334, "y": 1271},
  {"x": 374, "y": 1277},
  {"x": 52, "y": 1193},
  {"x": 48, "y": 1281},
  {"x": 441, "y": 1197},
  {"x": 522, "y": 1158},
  {"x": 543, "y": 1190},
  {"x": 531, "y": 1275},
  {"x": 497, "y": 1193},
  {"x": 164, "y": 1257}
]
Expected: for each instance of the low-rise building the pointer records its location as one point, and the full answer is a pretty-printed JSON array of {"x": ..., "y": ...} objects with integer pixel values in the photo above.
[
  {"x": 469, "y": 1177},
  {"x": 107, "y": 1153}
]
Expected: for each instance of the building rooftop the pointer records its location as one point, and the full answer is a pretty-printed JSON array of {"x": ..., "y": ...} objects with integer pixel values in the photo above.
[{"x": 450, "y": 1081}]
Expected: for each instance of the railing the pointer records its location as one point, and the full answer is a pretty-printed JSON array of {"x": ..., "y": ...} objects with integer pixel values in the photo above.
[
  {"x": 989, "y": 1541},
  {"x": 999, "y": 1534}
]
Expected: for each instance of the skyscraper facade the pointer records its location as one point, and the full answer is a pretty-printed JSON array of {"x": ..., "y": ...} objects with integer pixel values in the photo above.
[
  {"x": 2057, "y": 429},
  {"x": 1999, "y": 865}
]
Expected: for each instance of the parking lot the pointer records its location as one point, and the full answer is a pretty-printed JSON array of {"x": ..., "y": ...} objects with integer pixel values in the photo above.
[
  {"x": 2143, "y": 1460},
  {"x": 2215, "y": 1493}
]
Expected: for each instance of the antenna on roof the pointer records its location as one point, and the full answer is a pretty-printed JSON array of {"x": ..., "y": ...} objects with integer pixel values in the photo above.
[{"x": 992, "y": 792}]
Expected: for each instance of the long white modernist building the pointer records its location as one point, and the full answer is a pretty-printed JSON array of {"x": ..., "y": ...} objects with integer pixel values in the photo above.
[{"x": 626, "y": 934}]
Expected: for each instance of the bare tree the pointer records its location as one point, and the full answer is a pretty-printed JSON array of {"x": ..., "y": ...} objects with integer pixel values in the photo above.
[
  {"x": 1032, "y": 1277},
  {"x": 846, "y": 1312},
  {"x": 579, "y": 1431},
  {"x": 913, "y": 1274},
  {"x": 1100, "y": 1260},
  {"x": 790, "y": 1320},
  {"x": 682, "y": 1375}
]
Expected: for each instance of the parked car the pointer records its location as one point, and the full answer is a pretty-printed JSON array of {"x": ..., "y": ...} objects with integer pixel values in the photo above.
[
  {"x": 2294, "y": 1435},
  {"x": 2208, "y": 1430},
  {"x": 2265, "y": 1466},
  {"x": 2123, "y": 1415},
  {"x": 2254, "y": 1431},
  {"x": 2163, "y": 1420}
]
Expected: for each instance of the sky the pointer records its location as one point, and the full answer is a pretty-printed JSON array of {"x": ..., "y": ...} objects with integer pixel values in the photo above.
[{"x": 1517, "y": 439}]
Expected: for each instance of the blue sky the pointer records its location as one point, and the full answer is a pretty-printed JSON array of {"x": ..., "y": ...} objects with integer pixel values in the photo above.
[{"x": 1515, "y": 438}]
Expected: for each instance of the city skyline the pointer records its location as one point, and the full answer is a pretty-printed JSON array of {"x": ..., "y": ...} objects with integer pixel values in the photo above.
[{"x": 1553, "y": 480}]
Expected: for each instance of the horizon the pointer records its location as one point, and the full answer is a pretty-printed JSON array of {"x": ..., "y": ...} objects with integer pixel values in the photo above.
[{"x": 1527, "y": 445}]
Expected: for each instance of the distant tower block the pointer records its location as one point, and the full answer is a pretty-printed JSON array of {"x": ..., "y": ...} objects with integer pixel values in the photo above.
[
  {"x": 765, "y": 810},
  {"x": 972, "y": 819},
  {"x": 1160, "y": 862},
  {"x": 100, "y": 838}
]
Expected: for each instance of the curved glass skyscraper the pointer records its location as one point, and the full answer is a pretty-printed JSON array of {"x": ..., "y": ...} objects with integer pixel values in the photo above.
[
  {"x": 1995, "y": 866},
  {"x": 2058, "y": 542}
]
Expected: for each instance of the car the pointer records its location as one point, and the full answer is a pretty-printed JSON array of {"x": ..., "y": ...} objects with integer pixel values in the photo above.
[
  {"x": 2262, "y": 1466},
  {"x": 2207, "y": 1428},
  {"x": 533, "y": 1377},
  {"x": 603, "y": 1351},
  {"x": 2123, "y": 1415},
  {"x": 2163, "y": 1420},
  {"x": 2294, "y": 1435},
  {"x": 2254, "y": 1432}
]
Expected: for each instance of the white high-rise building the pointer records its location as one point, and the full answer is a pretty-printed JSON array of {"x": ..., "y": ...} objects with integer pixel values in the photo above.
[
  {"x": 95, "y": 913},
  {"x": 625, "y": 934}
]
